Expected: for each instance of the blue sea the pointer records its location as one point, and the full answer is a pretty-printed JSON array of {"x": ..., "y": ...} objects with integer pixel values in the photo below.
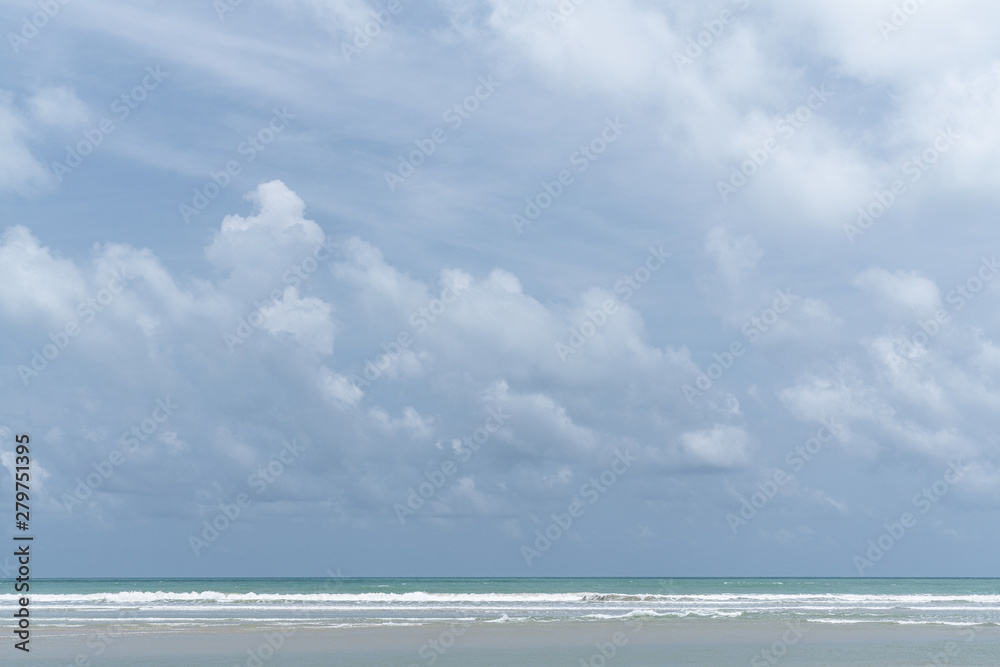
[{"x": 371, "y": 621}]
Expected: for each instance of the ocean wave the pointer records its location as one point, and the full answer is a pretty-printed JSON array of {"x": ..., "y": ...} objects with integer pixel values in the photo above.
[
  {"x": 679, "y": 613},
  {"x": 507, "y": 619},
  {"x": 144, "y": 597},
  {"x": 635, "y": 613},
  {"x": 375, "y": 609},
  {"x": 898, "y": 621},
  {"x": 730, "y": 599}
]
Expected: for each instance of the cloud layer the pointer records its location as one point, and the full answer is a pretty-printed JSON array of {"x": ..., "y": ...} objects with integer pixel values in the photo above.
[{"x": 793, "y": 230}]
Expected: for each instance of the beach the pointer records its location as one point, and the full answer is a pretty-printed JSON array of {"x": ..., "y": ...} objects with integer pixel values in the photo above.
[
  {"x": 683, "y": 643},
  {"x": 480, "y": 622}
]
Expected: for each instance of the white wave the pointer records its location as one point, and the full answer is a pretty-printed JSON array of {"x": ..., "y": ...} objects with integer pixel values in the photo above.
[
  {"x": 634, "y": 614},
  {"x": 145, "y": 597},
  {"x": 141, "y": 597},
  {"x": 894, "y": 621},
  {"x": 506, "y": 619}
]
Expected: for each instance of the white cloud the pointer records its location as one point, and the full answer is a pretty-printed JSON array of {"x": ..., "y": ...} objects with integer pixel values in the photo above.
[
  {"x": 339, "y": 388},
  {"x": 58, "y": 107},
  {"x": 20, "y": 171},
  {"x": 719, "y": 447},
  {"x": 905, "y": 405},
  {"x": 307, "y": 320},
  {"x": 910, "y": 292},
  {"x": 33, "y": 282},
  {"x": 410, "y": 423},
  {"x": 264, "y": 248},
  {"x": 365, "y": 268}
]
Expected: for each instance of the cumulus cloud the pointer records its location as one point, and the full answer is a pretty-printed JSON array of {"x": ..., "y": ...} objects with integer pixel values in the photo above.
[
  {"x": 34, "y": 282},
  {"x": 384, "y": 330},
  {"x": 268, "y": 246},
  {"x": 488, "y": 335},
  {"x": 307, "y": 320}
]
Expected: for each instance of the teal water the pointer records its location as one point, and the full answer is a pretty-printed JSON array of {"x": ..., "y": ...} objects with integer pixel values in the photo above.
[{"x": 628, "y": 585}]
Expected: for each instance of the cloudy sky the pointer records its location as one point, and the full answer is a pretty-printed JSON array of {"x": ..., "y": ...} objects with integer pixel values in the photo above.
[{"x": 502, "y": 287}]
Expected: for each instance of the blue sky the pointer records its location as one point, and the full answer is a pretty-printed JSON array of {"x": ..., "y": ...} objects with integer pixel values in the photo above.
[{"x": 274, "y": 266}]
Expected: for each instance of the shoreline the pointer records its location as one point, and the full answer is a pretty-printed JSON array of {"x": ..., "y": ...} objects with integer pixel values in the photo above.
[{"x": 53, "y": 641}]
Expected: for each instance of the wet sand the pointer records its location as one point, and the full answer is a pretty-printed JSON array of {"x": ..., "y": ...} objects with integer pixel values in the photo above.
[{"x": 597, "y": 644}]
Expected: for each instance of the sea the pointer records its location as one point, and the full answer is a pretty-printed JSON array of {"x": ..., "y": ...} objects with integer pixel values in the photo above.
[
  {"x": 338, "y": 602},
  {"x": 958, "y": 610}
]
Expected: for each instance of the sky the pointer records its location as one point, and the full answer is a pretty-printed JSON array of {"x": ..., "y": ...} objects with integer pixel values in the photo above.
[{"x": 502, "y": 287}]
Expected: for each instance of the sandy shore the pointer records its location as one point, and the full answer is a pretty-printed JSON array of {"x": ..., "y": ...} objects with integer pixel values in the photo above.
[{"x": 684, "y": 642}]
